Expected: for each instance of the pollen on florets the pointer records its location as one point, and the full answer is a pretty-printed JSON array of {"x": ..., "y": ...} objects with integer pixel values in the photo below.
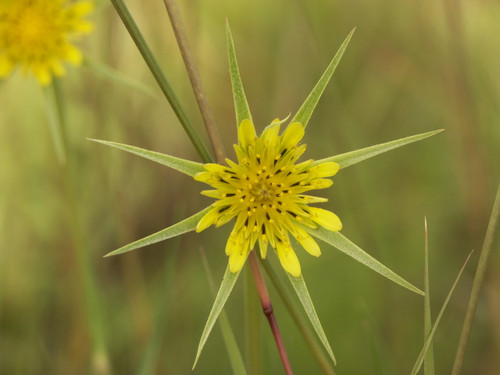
[{"x": 264, "y": 191}]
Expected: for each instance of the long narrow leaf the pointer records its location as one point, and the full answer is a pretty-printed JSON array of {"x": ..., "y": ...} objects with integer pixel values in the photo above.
[
  {"x": 181, "y": 227},
  {"x": 481, "y": 268},
  {"x": 306, "y": 110},
  {"x": 185, "y": 166},
  {"x": 353, "y": 157},
  {"x": 300, "y": 287},
  {"x": 343, "y": 244},
  {"x": 240, "y": 100},
  {"x": 428, "y": 341},
  {"x": 429, "y": 356},
  {"x": 224, "y": 291}
]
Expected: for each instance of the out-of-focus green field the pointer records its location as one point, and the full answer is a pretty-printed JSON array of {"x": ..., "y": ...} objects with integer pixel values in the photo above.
[{"x": 412, "y": 67}]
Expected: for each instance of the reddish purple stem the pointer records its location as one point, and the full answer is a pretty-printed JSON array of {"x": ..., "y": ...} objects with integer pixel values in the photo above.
[{"x": 267, "y": 307}]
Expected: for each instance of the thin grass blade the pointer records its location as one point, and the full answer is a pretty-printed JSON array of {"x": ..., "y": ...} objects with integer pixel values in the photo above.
[
  {"x": 476, "y": 285},
  {"x": 300, "y": 287},
  {"x": 428, "y": 341},
  {"x": 240, "y": 100},
  {"x": 353, "y": 157},
  {"x": 429, "y": 355},
  {"x": 235, "y": 357},
  {"x": 345, "y": 245},
  {"x": 185, "y": 166},
  {"x": 181, "y": 227},
  {"x": 305, "y": 112},
  {"x": 224, "y": 291}
]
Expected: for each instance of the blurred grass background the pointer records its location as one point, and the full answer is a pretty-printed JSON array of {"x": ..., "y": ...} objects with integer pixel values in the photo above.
[{"x": 412, "y": 66}]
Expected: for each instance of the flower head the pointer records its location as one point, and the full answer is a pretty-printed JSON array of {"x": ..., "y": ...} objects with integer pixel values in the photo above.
[
  {"x": 264, "y": 192},
  {"x": 37, "y": 35}
]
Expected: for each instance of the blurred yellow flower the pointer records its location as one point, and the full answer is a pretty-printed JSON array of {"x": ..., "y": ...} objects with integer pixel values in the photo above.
[
  {"x": 37, "y": 36},
  {"x": 265, "y": 193}
]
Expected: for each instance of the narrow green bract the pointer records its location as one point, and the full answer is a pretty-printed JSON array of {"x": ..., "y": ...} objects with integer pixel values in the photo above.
[
  {"x": 240, "y": 100},
  {"x": 353, "y": 157},
  {"x": 222, "y": 295},
  {"x": 185, "y": 166},
  {"x": 300, "y": 287},
  {"x": 343, "y": 244},
  {"x": 306, "y": 110},
  {"x": 181, "y": 227}
]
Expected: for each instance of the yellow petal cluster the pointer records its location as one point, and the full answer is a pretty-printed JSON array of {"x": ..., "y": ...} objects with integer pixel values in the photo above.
[
  {"x": 37, "y": 36},
  {"x": 264, "y": 193}
]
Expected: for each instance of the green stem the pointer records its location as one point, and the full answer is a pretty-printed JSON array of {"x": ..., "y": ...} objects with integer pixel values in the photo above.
[
  {"x": 429, "y": 356},
  {"x": 100, "y": 361},
  {"x": 161, "y": 79},
  {"x": 54, "y": 121},
  {"x": 304, "y": 328},
  {"x": 194, "y": 77},
  {"x": 476, "y": 286}
]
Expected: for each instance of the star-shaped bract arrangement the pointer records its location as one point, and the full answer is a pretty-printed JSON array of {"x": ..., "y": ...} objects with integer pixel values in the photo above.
[{"x": 264, "y": 193}]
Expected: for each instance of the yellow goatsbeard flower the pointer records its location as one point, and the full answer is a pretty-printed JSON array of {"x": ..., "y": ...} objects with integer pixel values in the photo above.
[
  {"x": 36, "y": 35},
  {"x": 265, "y": 193}
]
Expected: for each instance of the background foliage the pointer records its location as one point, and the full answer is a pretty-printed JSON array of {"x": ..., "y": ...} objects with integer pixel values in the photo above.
[{"x": 411, "y": 67}]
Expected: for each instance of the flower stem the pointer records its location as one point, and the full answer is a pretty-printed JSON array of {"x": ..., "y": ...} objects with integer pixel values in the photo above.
[
  {"x": 160, "y": 77},
  {"x": 100, "y": 358},
  {"x": 268, "y": 310},
  {"x": 476, "y": 286},
  {"x": 194, "y": 77},
  {"x": 309, "y": 337}
]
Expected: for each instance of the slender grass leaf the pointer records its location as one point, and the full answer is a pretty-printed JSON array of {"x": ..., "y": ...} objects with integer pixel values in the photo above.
[
  {"x": 429, "y": 338},
  {"x": 307, "y": 108},
  {"x": 343, "y": 244},
  {"x": 353, "y": 157},
  {"x": 235, "y": 357},
  {"x": 181, "y": 227},
  {"x": 224, "y": 291},
  {"x": 185, "y": 166},
  {"x": 300, "y": 287},
  {"x": 429, "y": 356},
  {"x": 476, "y": 285},
  {"x": 240, "y": 100},
  {"x": 115, "y": 76}
]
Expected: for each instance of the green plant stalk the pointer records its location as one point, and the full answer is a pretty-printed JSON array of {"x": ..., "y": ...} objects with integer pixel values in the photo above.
[
  {"x": 429, "y": 356},
  {"x": 253, "y": 334},
  {"x": 161, "y": 79},
  {"x": 100, "y": 359},
  {"x": 233, "y": 351},
  {"x": 195, "y": 79},
  {"x": 476, "y": 286},
  {"x": 304, "y": 328},
  {"x": 53, "y": 118}
]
